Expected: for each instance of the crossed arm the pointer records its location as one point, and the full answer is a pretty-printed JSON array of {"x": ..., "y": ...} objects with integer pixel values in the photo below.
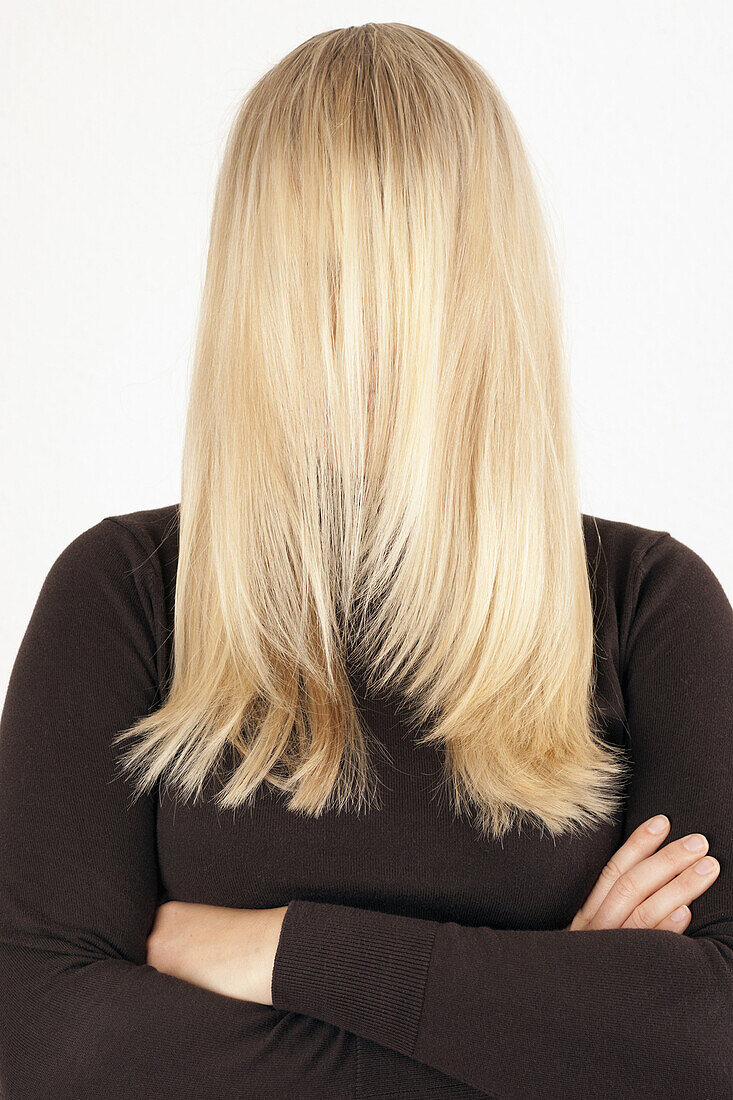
[
  {"x": 233, "y": 951},
  {"x": 82, "y": 1012},
  {"x": 364, "y": 1003}
]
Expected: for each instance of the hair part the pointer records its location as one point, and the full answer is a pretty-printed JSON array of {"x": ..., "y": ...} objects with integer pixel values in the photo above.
[{"x": 378, "y": 469}]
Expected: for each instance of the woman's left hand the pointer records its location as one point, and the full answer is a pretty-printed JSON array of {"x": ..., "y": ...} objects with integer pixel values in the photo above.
[{"x": 229, "y": 951}]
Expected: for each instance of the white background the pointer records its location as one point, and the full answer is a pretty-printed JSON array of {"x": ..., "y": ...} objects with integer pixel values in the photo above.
[{"x": 113, "y": 117}]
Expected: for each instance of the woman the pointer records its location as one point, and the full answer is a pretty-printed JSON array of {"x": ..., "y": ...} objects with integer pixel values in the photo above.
[{"x": 307, "y": 783}]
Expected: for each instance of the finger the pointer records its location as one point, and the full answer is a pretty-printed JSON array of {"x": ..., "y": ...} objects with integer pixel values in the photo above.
[
  {"x": 642, "y": 843},
  {"x": 676, "y": 921},
  {"x": 685, "y": 887},
  {"x": 643, "y": 880}
]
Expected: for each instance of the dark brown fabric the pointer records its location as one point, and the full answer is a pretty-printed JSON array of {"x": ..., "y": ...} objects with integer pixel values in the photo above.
[{"x": 417, "y": 959}]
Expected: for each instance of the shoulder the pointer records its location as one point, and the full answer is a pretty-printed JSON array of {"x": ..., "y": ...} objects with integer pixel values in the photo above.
[
  {"x": 652, "y": 581},
  {"x": 155, "y": 531},
  {"x": 616, "y": 548},
  {"x": 117, "y": 573},
  {"x": 155, "y": 534},
  {"x": 631, "y": 553},
  {"x": 135, "y": 545}
]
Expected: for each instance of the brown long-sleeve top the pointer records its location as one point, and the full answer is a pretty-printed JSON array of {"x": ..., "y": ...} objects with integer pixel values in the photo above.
[{"x": 416, "y": 959}]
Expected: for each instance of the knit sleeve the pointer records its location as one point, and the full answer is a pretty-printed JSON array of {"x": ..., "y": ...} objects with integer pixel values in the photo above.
[
  {"x": 553, "y": 1013},
  {"x": 82, "y": 1015}
]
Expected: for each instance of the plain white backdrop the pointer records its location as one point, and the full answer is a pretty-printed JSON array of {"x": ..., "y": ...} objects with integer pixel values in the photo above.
[{"x": 113, "y": 121}]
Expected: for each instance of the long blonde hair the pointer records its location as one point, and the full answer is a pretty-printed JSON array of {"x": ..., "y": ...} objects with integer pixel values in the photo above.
[{"x": 378, "y": 469}]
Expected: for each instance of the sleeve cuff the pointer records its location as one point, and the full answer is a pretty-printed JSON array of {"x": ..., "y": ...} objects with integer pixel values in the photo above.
[{"x": 357, "y": 969}]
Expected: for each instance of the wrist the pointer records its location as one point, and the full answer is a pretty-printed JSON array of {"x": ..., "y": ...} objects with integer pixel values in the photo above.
[{"x": 263, "y": 956}]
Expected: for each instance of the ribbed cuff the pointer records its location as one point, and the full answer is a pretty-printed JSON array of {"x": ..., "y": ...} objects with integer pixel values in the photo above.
[{"x": 357, "y": 969}]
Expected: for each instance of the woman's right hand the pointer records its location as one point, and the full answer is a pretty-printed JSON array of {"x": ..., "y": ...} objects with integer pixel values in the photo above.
[{"x": 641, "y": 887}]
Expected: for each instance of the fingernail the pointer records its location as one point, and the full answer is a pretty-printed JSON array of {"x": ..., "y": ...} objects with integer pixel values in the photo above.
[
  {"x": 694, "y": 843},
  {"x": 658, "y": 824},
  {"x": 681, "y": 913},
  {"x": 706, "y": 866}
]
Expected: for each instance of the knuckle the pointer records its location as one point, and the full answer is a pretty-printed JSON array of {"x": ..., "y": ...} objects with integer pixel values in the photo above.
[
  {"x": 626, "y": 888},
  {"x": 668, "y": 857},
  {"x": 611, "y": 872},
  {"x": 643, "y": 918}
]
